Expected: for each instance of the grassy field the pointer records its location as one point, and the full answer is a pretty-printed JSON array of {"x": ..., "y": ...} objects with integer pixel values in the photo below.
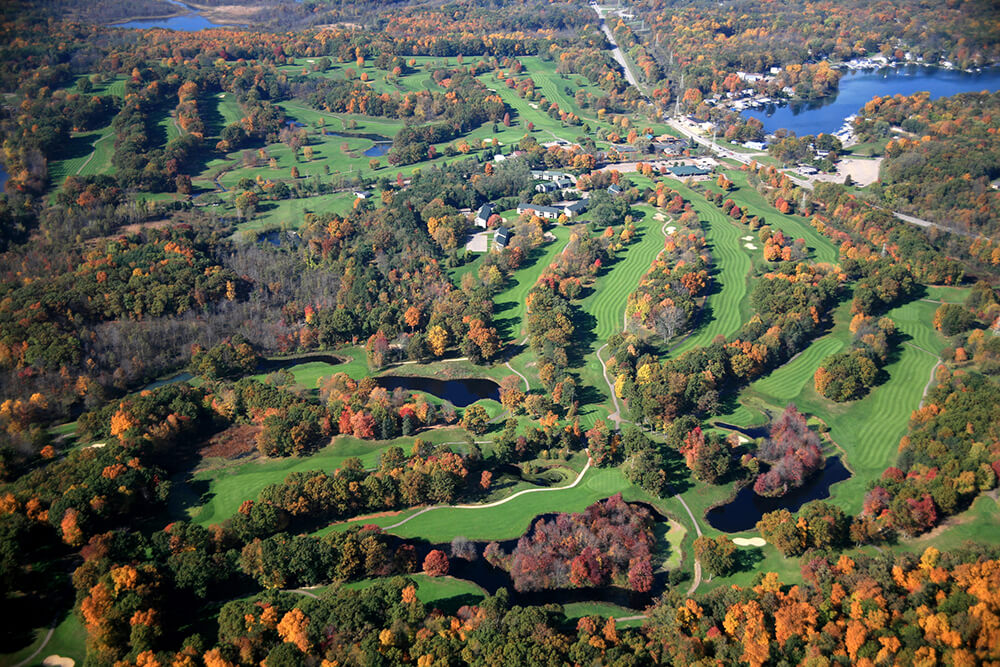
[
  {"x": 88, "y": 153},
  {"x": 511, "y": 519},
  {"x": 228, "y": 484},
  {"x": 868, "y": 430},
  {"x": 723, "y": 313},
  {"x": 431, "y": 590},
  {"x": 68, "y": 640},
  {"x": 228, "y": 108},
  {"x": 607, "y": 302},
  {"x": 575, "y": 610},
  {"x": 291, "y": 213},
  {"x": 821, "y": 248},
  {"x": 509, "y": 304},
  {"x": 604, "y": 307}
]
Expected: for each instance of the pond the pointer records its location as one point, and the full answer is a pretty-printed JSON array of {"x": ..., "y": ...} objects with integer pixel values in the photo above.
[
  {"x": 492, "y": 578},
  {"x": 859, "y": 87},
  {"x": 3, "y": 176},
  {"x": 746, "y": 509},
  {"x": 379, "y": 149},
  {"x": 162, "y": 382},
  {"x": 460, "y": 393},
  {"x": 190, "y": 22},
  {"x": 278, "y": 238}
]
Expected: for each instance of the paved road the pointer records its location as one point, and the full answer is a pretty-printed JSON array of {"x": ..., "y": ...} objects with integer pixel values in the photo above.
[
  {"x": 616, "y": 52},
  {"x": 745, "y": 158}
]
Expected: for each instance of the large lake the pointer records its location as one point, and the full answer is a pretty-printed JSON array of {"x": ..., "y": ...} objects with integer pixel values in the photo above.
[
  {"x": 857, "y": 88},
  {"x": 190, "y": 22}
]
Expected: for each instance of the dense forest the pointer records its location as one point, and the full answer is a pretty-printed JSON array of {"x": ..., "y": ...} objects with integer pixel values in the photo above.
[{"x": 382, "y": 333}]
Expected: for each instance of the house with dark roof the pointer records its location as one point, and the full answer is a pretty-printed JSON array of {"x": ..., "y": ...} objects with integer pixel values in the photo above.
[
  {"x": 614, "y": 189},
  {"x": 547, "y": 186},
  {"x": 686, "y": 170},
  {"x": 575, "y": 208},
  {"x": 484, "y": 213},
  {"x": 547, "y": 212},
  {"x": 502, "y": 237}
]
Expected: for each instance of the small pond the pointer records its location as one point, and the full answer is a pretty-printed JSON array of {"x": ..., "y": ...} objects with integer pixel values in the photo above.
[
  {"x": 3, "y": 176},
  {"x": 271, "y": 365},
  {"x": 460, "y": 393},
  {"x": 162, "y": 382},
  {"x": 746, "y": 509},
  {"x": 379, "y": 149},
  {"x": 278, "y": 238}
]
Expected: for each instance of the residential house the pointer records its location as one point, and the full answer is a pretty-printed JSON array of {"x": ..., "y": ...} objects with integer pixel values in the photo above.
[
  {"x": 484, "y": 213},
  {"x": 547, "y": 212},
  {"x": 502, "y": 237}
]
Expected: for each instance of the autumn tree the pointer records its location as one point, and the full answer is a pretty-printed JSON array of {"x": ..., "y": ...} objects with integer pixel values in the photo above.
[{"x": 436, "y": 563}]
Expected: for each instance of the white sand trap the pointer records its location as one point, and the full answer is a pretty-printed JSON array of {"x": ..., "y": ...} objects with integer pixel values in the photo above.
[
  {"x": 749, "y": 246},
  {"x": 659, "y": 216},
  {"x": 310, "y": 60},
  {"x": 222, "y": 96},
  {"x": 749, "y": 542},
  {"x": 98, "y": 445},
  {"x": 671, "y": 230},
  {"x": 532, "y": 105},
  {"x": 747, "y": 238},
  {"x": 58, "y": 661}
]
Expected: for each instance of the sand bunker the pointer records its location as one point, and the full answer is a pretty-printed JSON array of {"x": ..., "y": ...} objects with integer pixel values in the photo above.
[
  {"x": 58, "y": 661},
  {"x": 659, "y": 216},
  {"x": 749, "y": 246},
  {"x": 671, "y": 230},
  {"x": 747, "y": 238},
  {"x": 749, "y": 542}
]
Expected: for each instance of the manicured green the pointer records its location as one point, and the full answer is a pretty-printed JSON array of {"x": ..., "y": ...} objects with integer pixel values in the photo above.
[
  {"x": 510, "y": 304},
  {"x": 68, "y": 640},
  {"x": 230, "y": 483},
  {"x": 512, "y": 518},
  {"x": 722, "y": 313},
  {"x": 867, "y": 430},
  {"x": 607, "y": 301},
  {"x": 822, "y": 248},
  {"x": 433, "y": 589},
  {"x": 575, "y": 610},
  {"x": 90, "y": 153}
]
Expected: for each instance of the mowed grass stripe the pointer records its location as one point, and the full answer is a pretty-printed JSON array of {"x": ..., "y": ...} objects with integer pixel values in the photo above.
[
  {"x": 607, "y": 303},
  {"x": 511, "y": 519},
  {"x": 731, "y": 268},
  {"x": 510, "y": 304},
  {"x": 879, "y": 421},
  {"x": 786, "y": 382},
  {"x": 823, "y": 248},
  {"x": 230, "y": 486},
  {"x": 99, "y": 161},
  {"x": 915, "y": 320}
]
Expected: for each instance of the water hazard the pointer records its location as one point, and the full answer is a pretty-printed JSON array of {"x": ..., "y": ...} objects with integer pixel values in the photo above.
[
  {"x": 460, "y": 393},
  {"x": 746, "y": 509}
]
